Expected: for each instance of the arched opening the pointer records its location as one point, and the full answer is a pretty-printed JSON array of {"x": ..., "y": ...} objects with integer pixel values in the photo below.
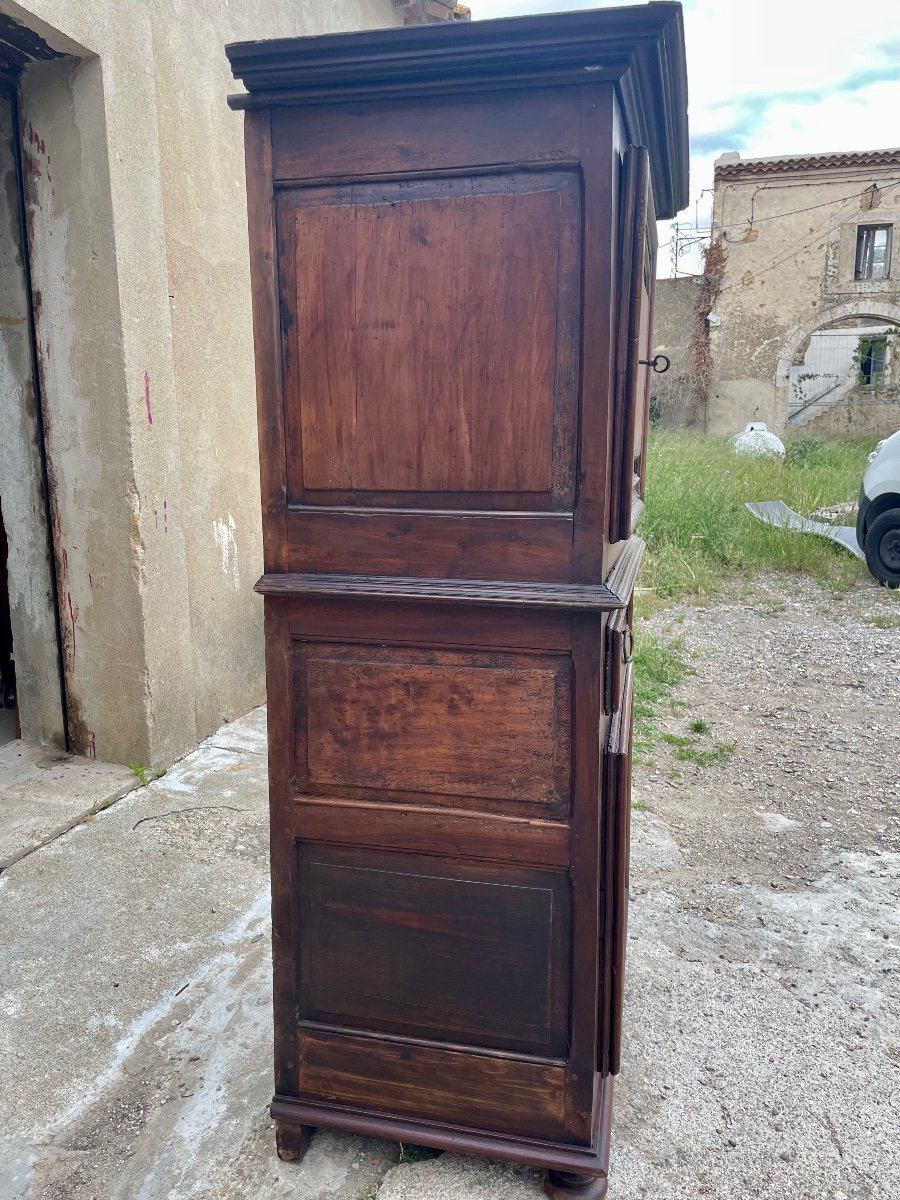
[
  {"x": 844, "y": 372},
  {"x": 850, "y": 360}
]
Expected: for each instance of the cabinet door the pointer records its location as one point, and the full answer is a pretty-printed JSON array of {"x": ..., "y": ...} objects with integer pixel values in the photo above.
[{"x": 637, "y": 249}]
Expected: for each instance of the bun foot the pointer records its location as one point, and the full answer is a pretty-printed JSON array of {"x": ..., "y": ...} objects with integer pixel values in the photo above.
[
  {"x": 292, "y": 1141},
  {"x": 565, "y": 1185}
]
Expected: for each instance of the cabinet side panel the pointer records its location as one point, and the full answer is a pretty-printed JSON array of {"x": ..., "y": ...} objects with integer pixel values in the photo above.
[
  {"x": 459, "y": 727},
  {"x": 431, "y": 342},
  {"x": 427, "y": 334}
]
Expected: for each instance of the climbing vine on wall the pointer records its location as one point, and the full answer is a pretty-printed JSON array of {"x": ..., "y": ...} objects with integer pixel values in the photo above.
[{"x": 715, "y": 257}]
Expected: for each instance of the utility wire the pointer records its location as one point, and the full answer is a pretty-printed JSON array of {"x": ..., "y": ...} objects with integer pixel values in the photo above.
[
  {"x": 792, "y": 253},
  {"x": 753, "y": 221}
]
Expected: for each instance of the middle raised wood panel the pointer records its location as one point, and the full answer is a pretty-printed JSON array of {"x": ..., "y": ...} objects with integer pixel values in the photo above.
[
  {"x": 432, "y": 361},
  {"x": 476, "y": 729}
]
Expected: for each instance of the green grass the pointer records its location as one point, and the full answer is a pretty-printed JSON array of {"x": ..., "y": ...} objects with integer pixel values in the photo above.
[
  {"x": 688, "y": 749},
  {"x": 658, "y": 669},
  {"x": 699, "y": 534},
  {"x": 884, "y": 620},
  {"x": 144, "y": 775}
]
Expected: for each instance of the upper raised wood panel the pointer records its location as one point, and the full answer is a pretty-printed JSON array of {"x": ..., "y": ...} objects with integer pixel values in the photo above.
[{"x": 431, "y": 358}]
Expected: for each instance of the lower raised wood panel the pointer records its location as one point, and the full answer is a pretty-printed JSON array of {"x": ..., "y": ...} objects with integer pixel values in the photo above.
[
  {"x": 477, "y": 1091},
  {"x": 434, "y": 948}
]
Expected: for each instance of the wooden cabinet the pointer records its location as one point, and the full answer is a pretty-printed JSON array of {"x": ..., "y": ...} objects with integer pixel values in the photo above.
[{"x": 452, "y": 250}]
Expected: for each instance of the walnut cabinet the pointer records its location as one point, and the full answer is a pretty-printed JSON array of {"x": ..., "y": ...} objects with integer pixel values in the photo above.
[{"x": 452, "y": 258}]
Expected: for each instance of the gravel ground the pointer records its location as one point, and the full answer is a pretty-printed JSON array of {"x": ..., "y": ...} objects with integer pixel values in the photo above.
[{"x": 762, "y": 1026}]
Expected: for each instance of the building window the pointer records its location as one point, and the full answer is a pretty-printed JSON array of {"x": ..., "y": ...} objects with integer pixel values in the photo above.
[
  {"x": 873, "y": 252},
  {"x": 872, "y": 359}
]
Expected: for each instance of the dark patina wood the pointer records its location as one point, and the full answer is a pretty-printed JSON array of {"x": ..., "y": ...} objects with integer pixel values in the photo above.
[{"x": 452, "y": 259}]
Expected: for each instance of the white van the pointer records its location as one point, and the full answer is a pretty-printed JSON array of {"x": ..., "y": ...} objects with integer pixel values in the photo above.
[{"x": 878, "y": 522}]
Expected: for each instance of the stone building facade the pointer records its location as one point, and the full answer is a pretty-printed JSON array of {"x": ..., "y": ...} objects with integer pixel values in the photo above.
[
  {"x": 128, "y": 459},
  {"x": 803, "y": 302}
]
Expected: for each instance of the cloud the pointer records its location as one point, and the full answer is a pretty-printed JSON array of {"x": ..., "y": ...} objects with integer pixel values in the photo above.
[{"x": 775, "y": 77}]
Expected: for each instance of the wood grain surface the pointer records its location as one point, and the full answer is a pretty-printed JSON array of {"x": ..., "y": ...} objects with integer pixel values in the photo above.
[
  {"x": 435, "y": 723},
  {"x": 472, "y": 1090},
  {"x": 462, "y": 952}
]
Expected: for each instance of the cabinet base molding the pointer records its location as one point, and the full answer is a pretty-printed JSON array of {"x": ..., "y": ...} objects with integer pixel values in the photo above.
[{"x": 571, "y": 1167}]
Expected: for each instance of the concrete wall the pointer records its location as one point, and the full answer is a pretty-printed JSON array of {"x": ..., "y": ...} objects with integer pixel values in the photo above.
[
  {"x": 136, "y": 207},
  {"x": 673, "y": 395},
  {"x": 31, "y": 589},
  {"x": 790, "y": 238}
]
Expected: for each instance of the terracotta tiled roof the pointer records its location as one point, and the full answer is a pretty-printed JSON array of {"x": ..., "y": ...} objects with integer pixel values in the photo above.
[{"x": 735, "y": 168}]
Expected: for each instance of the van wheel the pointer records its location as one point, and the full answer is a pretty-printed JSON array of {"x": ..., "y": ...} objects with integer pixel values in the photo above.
[{"x": 883, "y": 548}]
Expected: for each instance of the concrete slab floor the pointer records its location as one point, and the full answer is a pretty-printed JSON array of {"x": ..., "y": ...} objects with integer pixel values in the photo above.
[
  {"x": 763, "y": 1006},
  {"x": 43, "y": 792}
]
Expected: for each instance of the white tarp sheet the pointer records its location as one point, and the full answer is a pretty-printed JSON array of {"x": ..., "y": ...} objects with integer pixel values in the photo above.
[{"x": 776, "y": 512}]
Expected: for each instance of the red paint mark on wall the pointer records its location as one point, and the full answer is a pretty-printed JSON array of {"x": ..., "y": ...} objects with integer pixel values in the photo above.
[
  {"x": 73, "y": 614},
  {"x": 147, "y": 398},
  {"x": 91, "y": 745},
  {"x": 34, "y": 140}
]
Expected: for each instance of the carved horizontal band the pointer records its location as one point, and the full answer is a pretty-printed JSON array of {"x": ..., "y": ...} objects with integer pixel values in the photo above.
[{"x": 614, "y": 593}]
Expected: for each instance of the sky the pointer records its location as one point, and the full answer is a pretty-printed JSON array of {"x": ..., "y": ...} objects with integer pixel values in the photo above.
[{"x": 772, "y": 77}]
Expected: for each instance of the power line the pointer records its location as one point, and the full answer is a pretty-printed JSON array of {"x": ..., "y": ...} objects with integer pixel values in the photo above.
[
  {"x": 753, "y": 221},
  {"x": 779, "y": 260},
  {"x": 687, "y": 240}
]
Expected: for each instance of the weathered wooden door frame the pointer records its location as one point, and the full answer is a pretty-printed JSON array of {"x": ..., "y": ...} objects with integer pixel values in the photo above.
[{"x": 9, "y": 95}]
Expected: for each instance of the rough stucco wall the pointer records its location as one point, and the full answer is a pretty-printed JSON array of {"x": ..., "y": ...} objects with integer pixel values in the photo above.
[
  {"x": 94, "y": 316},
  {"x": 790, "y": 275},
  {"x": 139, "y": 252},
  {"x": 674, "y": 317},
  {"x": 21, "y": 491},
  {"x": 204, "y": 199}
]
